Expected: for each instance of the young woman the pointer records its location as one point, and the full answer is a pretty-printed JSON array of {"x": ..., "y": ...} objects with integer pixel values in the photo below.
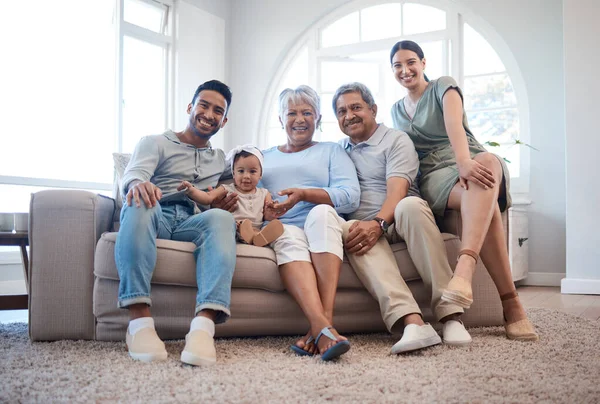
[{"x": 457, "y": 173}]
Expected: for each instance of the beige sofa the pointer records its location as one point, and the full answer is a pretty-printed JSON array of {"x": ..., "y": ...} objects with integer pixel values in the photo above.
[{"x": 74, "y": 281}]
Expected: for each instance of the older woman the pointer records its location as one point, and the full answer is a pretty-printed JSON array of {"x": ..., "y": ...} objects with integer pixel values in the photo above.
[
  {"x": 457, "y": 173},
  {"x": 314, "y": 182}
]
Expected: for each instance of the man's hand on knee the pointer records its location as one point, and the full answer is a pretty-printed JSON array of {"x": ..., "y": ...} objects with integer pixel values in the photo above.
[
  {"x": 362, "y": 237},
  {"x": 146, "y": 191}
]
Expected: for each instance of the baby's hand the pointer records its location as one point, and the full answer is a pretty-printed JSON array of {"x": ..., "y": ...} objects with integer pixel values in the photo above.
[
  {"x": 270, "y": 213},
  {"x": 185, "y": 185}
]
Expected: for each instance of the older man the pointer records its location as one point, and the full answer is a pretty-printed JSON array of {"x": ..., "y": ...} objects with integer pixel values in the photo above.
[{"x": 390, "y": 206}]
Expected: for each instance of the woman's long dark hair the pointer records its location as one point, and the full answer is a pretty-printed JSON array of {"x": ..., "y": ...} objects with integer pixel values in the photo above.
[{"x": 411, "y": 46}]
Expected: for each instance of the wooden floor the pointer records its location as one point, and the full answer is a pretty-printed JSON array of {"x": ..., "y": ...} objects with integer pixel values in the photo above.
[{"x": 587, "y": 306}]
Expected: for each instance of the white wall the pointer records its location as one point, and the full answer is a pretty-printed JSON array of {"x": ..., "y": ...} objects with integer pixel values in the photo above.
[
  {"x": 200, "y": 56},
  {"x": 263, "y": 31},
  {"x": 582, "y": 86}
]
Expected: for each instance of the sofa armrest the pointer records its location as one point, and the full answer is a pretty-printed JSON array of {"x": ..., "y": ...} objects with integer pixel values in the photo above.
[{"x": 65, "y": 226}]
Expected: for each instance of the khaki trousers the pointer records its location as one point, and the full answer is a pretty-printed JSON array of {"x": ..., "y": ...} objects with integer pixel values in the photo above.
[{"x": 378, "y": 271}]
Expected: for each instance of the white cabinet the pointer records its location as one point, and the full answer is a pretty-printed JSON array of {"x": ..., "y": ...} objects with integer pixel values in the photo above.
[{"x": 518, "y": 241}]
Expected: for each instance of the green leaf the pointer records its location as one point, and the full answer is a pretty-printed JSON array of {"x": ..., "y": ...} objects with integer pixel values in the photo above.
[
  {"x": 493, "y": 144},
  {"x": 517, "y": 141}
]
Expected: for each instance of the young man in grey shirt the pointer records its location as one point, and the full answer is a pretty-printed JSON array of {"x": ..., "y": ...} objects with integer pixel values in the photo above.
[
  {"x": 390, "y": 206},
  {"x": 154, "y": 209}
]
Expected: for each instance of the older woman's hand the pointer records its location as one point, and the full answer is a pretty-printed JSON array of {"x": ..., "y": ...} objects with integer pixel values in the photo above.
[{"x": 294, "y": 195}]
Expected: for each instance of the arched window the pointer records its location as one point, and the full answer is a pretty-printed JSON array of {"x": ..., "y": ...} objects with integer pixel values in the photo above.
[{"x": 353, "y": 44}]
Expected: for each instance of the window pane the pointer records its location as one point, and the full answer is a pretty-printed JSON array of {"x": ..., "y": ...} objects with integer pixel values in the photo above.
[
  {"x": 149, "y": 16},
  {"x": 480, "y": 57},
  {"x": 434, "y": 57},
  {"x": 143, "y": 91},
  {"x": 500, "y": 126},
  {"x": 334, "y": 74},
  {"x": 380, "y": 22},
  {"x": 489, "y": 92},
  {"x": 341, "y": 32},
  {"x": 20, "y": 196},
  {"x": 57, "y": 90},
  {"x": 418, "y": 18},
  {"x": 331, "y": 132},
  {"x": 297, "y": 73}
]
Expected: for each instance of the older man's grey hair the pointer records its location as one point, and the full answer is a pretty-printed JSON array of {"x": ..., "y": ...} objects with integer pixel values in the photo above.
[
  {"x": 299, "y": 95},
  {"x": 355, "y": 87}
]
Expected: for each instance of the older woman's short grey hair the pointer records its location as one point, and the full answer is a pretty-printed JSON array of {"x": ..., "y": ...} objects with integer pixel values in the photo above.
[
  {"x": 299, "y": 95},
  {"x": 355, "y": 87}
]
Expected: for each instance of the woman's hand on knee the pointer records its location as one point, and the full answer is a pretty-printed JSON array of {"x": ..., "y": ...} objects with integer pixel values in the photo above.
[
  {"x": 362, "y": 236},
  {"x": 471, "y": 170}
]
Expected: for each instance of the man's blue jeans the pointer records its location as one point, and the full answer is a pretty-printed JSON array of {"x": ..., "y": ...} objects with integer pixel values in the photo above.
[{"x": 212, "y": 231}]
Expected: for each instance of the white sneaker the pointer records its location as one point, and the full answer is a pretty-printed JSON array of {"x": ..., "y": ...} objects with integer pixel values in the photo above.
[
  {"x": 416, "y": 337},
  {"x": 454, "y": 333},
  {"x": 145, "y": 345},
  {"x": 199, "y": 349}
]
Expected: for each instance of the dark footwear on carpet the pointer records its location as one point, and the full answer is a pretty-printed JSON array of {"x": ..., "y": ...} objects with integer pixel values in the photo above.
[
  {"x": 520, "y": 329},
  {"x": 268, "y": 234},
  {"x": 416, "y": 337},
  {"x": 340, "y": 348},
  {"x": 301, "y": 352},
  {"x": 246, "y": 231},
  {"x": 458, "y": 292}
]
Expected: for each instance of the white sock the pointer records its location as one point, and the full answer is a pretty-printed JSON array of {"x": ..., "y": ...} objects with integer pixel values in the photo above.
[
  {"x": 139, "y": 323},
  {"x": 204, "y": 324}
]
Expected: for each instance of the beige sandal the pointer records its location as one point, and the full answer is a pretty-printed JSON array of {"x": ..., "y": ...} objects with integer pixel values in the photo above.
[
  {"x": 522, "y": 329},
  {"x": 459, "y": 290},
  {"x": 246, "y": 231},
  {"x": 268, "y": 234}
]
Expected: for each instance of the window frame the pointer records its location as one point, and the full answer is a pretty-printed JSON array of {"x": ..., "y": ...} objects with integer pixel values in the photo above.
[
  {"x": 122, "y": 29},
  {"x": 453, "y": 57}
]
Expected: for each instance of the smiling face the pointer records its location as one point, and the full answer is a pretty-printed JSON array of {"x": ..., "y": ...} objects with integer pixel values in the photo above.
[
  {"x": 355, "y": 118},
  {"x": 408, "y": 69},
  {"x": 246, "y": 173},
  {"x": 207, "y": 115},
  {"x": 300, "y": 123}
]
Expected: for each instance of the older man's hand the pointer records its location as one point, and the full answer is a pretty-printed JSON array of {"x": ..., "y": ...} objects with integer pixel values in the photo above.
[{"x": 362, "y": 237}]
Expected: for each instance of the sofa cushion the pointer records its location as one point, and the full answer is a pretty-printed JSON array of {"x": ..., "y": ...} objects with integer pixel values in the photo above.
[{"x": 256, "y": 267}]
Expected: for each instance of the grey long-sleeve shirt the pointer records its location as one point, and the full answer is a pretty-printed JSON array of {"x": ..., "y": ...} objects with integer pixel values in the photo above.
[{"x": 166, "y": 161}]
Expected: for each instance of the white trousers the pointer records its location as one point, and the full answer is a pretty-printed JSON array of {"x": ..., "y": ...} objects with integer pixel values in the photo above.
[{"x": 322, "y": 234}]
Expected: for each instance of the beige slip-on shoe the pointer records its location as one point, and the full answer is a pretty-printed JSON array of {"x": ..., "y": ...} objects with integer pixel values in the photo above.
[
  {"x": 416, "y": 337},
  {"x": 454, "y": 333},
  {"x": 199, "y": 349},
  {"x": 145, "y": 345}
]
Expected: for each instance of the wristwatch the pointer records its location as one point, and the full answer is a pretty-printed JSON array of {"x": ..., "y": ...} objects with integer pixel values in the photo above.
[{"x": 383, "y": 224}]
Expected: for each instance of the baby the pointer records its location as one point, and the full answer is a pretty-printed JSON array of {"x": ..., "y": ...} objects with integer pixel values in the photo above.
[{"x": 246, "y": 166}]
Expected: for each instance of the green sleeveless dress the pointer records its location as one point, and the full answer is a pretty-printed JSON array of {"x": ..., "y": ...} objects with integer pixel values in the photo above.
[{"x": 439, "y": 172}]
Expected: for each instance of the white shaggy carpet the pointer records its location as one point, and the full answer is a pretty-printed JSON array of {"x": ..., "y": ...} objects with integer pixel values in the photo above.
[{"x": 563, "y": 367}]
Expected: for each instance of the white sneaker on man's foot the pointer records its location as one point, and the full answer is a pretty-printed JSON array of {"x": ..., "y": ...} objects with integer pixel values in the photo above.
[
  {"x": 145, "y": 345},
  {"x": 199, "y": 349},
  {"x": 454, "y": 333},
  {"x": 416, "y": 337}
]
